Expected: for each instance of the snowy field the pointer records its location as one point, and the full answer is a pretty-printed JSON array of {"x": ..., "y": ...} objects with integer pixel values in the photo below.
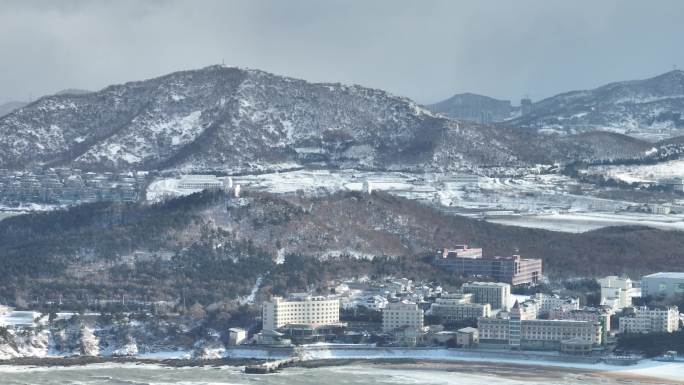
[
  {"x": 586, "y": 221},
  {"x": 643, "y": 173},
  {"x": 539, "y": 201}
]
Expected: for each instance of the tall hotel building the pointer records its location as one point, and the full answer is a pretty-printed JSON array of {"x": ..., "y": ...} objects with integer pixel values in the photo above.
[
  {"x": 513, "y": 270},
  {"x": 300, "y": 309}
]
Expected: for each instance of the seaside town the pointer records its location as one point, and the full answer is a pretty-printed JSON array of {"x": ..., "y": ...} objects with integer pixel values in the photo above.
[
  {"x": 504, "y": 308},
  {"x": 347, "y": 192}
]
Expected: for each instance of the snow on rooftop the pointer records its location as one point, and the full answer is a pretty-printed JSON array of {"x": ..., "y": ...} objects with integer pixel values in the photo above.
[{"x": 670, "y": 275}]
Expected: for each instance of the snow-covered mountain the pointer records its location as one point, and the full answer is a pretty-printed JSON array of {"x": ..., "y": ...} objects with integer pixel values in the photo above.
[
  {"x": 242, "y": 120},
  {"x": 221, "y": 118},
  {"x": 650, "y": 108},
  {"x": 474, "y": 108}
]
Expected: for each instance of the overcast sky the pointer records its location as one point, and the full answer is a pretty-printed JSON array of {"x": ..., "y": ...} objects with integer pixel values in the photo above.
[{"x": 426, "y": 50}]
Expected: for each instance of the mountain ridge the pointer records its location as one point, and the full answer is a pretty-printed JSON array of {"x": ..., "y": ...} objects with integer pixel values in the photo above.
[
  {"x": 232, "y": 119},
  {"x": 473, "y": 107},
  {"x": 648, "y": 107}
]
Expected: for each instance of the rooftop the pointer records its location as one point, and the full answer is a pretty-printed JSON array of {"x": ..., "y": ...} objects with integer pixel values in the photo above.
[
  {"x": 671, "y": 275},
  {"x": 484, "y": 284}
]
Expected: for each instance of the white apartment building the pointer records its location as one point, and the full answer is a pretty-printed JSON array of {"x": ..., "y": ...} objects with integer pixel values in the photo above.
[
  {"x": 459, "y": 306},
  {"x": 402, "y": 315},
  {"x": 199, "y": 182},
  {"x": 617, "y": 292},
  {"x": 496, "y": 294},
  {"x": 549, "y": 302},
  {"x": 537, "y": 333},
  {"x": 559, "y": 330},
  {"x": 586, "y": 314},
  {"x": 300, "y": 309},
  {"x": 530, "y": 309},
  {"x": 647, "y": 320}
]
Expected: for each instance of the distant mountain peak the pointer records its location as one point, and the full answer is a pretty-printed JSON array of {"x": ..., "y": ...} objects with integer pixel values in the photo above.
[
  {"x": 650, "y": 108},
  {"x": 473, "y": 107},
  {"x": 236, "y": 120},
  {"x": 73, "y": 91}
]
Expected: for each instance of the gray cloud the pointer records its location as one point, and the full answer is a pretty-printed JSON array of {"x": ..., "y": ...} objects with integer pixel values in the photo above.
[{"x": 426, "y": 50}]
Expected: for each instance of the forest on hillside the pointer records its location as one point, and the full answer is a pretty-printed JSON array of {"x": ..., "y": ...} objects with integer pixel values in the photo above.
[{"x": 206, "y": 247}]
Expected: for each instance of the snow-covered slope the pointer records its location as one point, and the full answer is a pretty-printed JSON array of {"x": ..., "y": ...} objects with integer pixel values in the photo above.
[
  {"x": 650, "y": 108},
  {"x": 240, "y": 120},
  {"x": 220, "y": 117}
]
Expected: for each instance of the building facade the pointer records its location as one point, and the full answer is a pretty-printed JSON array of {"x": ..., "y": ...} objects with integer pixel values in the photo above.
[
  {"x": 300, "y": 309},
  {"x": 200, "y": 182},
  {"x": 496, "y": 294},
  {"x": 645, "y": 320},
  {"x": 617, "y": 292},
  {"x": 550, "y": 302},
  {"x": 513, "y": 270},
  {"x": 459, "y": 306},
  {"x": 467, "y": 337},
  {"x": 537, "y": 334},
  {"x": 600, "y": 315},
  {"x": 236, "y": 336},
  {"x": 402, "y": 315},
  {"x": 662, "y": 284}
]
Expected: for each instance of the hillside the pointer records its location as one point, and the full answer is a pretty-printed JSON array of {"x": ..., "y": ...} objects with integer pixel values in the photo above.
[
  {"x": 474, "y": 108},
  {"x": 650, "y": 108},
  {"x": 238, "y": 120},
  {"x": 220, "y": 118},
  {"x": 216, "y": 246}
]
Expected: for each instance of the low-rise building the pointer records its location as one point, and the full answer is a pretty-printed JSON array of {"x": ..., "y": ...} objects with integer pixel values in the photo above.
[
  {"x": 236, "y": 336},
  {"x": 374, "y": 302},
  {"x": 577, "y": 347},
  {"x": 271, "y": 338},
  {"x": 663, "y": 284},
  {"x": 458, "y": 306},
  {"x": 519, "y": 333},
  {"x": 660, "y": 209},
  {"x": 600, "y": 315},
  {"x": 617, "y": 292},
  {"x": 401, "y": 316},
  {"x": 675, "y": 184},
  {"x": 550, "y": 302},
  {"x": 200, "y": 182},
  {"x": 467, "y": 337},
  {"x": 645, "y": 320}
]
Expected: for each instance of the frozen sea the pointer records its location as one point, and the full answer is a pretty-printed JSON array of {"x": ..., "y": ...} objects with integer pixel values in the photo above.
[{"x": 442, "y": 374}]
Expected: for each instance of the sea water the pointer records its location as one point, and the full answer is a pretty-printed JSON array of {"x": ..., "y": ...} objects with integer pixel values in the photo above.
[{"x": 146, "y": 374}]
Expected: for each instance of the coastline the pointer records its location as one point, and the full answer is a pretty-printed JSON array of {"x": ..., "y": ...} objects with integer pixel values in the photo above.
[
  {"x": 650, "y": 372},
  {"x": 89, "y": 360},
  {"x": 520, "y": 372}
]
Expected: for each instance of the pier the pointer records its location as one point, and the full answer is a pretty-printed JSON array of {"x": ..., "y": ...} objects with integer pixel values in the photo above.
[{"x": 270, "y": 366}]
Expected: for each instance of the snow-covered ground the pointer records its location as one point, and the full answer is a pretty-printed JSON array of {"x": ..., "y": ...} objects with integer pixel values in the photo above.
[
  {"x": 671, "y": 371},
  {"x": 584, "y": 221},
  {"x": 541, "y": 201},
  {"x": 643, "y": 173}
]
